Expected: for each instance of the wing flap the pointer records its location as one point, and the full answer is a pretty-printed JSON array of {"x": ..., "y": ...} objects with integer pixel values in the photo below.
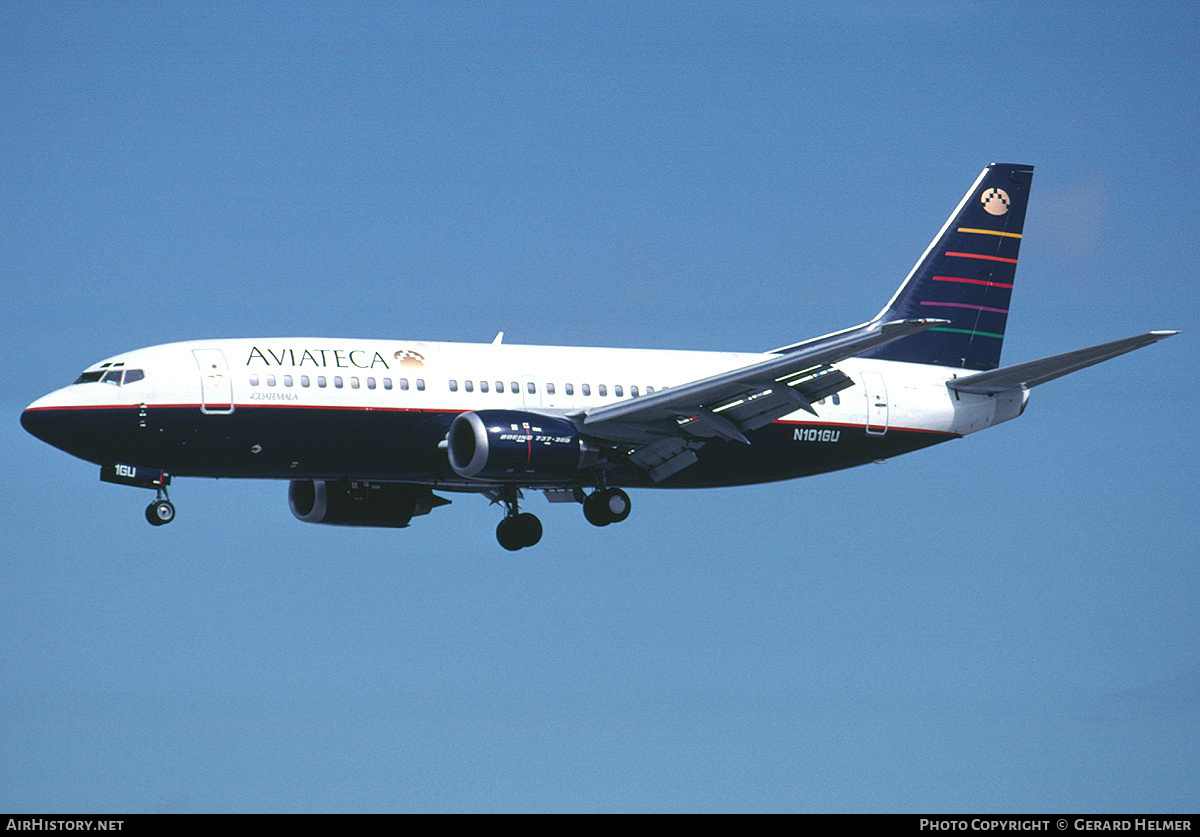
[
  {"x": 769, "y": 400},
  {"x": 664, "y": 457},
  {"x": 668, "y": 426},
  {"x": 772, "y": 387}
]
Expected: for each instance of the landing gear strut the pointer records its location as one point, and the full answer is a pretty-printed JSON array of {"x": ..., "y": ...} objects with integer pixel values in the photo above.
[
  {"x": 158, "y": 513},
  {"x": 606, "y": 505},
  {"x": 161, "y": 511},
  {"x": 518, "y": 529}
]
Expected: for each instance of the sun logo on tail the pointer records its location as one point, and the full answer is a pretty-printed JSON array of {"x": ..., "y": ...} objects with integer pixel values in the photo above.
[{"x": 995, "y": 201}]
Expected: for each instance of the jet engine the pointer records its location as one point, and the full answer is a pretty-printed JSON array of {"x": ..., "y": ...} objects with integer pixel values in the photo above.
[
  {"x": 356, "y": 503},
  {"x": 514, "y": 446}
]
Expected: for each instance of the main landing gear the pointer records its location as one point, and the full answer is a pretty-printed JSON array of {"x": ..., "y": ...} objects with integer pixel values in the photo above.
[
  {"x": 606, "y": 505},
  {"x": 518, "y": 529}
]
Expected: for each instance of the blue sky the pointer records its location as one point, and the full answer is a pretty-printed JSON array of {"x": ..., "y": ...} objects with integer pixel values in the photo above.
[{"x": 1006, "y": 622}]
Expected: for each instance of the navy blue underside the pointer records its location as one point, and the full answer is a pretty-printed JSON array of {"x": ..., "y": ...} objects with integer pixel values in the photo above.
[{"x": 402, "y": 446}]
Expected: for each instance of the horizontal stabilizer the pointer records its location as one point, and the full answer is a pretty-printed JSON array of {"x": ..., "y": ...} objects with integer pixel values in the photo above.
[{"x": 1026, "y": 375}]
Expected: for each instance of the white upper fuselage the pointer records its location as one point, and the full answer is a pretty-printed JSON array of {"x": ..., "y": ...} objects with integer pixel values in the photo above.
[{"x": 457, "y": 377}]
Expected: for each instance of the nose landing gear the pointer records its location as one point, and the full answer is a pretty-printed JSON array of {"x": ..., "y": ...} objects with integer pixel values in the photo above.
[{"x": 160, "y": 512}]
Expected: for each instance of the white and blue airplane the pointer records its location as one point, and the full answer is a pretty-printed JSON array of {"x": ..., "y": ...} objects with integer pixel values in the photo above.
[{"x": 366, "y": 430}]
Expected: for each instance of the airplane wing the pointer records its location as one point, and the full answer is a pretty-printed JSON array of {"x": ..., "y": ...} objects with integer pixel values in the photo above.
[
  {"x": 666, "y": 427},
  {"x": 1034, "y": 372}
]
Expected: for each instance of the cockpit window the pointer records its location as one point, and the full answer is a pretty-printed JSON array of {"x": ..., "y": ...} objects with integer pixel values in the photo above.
[{"x": 114, "y": 375}]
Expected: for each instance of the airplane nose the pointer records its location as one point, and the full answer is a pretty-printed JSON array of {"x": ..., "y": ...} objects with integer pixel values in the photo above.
[
  {"x": 93, "y": 433},
  {"x": 38, "y": 420},
  {"x": 52, "y": 420}
]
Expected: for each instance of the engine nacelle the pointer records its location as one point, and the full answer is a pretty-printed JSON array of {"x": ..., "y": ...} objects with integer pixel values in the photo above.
[
  {"x": 514, "y": 446},
  {"x": 354, "y": 503}
]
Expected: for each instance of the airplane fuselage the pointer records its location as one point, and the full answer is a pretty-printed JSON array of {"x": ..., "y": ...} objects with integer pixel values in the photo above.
[{"x": 307, "y": 408}]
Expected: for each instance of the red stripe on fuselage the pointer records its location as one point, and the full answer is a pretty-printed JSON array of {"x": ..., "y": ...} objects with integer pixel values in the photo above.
[{"x": 364, "y": 408}]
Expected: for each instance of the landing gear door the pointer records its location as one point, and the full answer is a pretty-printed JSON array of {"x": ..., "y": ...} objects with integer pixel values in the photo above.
[
  {"x": 877, "y": 403},
  {"x": 216, "y": 387}
]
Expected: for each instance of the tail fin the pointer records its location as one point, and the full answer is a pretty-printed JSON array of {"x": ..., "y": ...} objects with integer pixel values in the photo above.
[{"x": 966, "y": 277}]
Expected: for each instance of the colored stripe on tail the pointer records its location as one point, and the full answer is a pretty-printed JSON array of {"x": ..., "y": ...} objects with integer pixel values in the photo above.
[{"x": 966, "y": 277}]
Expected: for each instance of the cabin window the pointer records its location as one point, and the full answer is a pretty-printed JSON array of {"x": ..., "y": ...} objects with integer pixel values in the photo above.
[
  {"x": 420, "y": 384},
  {"x": 633, "y": 392},
  {"x": 321, "y": 381},
  {"x": 837, "y": 398},
  {"x": 354, "y": 383},
  {"x": 499, "y": 387},
  {"x": 649, "y": 390},
  {"x": 370, "y": 383},
  {"x": 253, "y": 380},
  {"x": 531, "y": 387},
  {"x": 617, "y": 391},
  {"x": 550, "y": 389},
  {"x": 287, "y": 380},
  {"x": 587, "y": 389},
  {"x": 387, "y": 383},
  {"x": 483, "y": 386},
  {"x": 453, "y": 385},
  {"x": 570, "y": 389},
  {"x": 602, "y": 390},
  {"x": 404, "y": 383},
  {"x": 270, "y": 380},
  {"x": 304, "y": 380}
]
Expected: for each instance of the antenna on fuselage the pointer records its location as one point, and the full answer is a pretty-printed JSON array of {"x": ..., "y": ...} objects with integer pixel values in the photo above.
[{"x": 499, "y": 338}]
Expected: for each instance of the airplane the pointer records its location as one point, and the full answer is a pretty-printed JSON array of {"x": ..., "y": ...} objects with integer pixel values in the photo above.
[{"x": 365, "y": 430}]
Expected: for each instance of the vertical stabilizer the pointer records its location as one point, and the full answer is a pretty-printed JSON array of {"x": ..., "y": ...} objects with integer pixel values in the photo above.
[{"x": 966, "y": 277}]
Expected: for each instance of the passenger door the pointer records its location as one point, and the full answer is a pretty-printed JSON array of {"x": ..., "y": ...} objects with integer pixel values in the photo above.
[{"x": 216, "y": 386}]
